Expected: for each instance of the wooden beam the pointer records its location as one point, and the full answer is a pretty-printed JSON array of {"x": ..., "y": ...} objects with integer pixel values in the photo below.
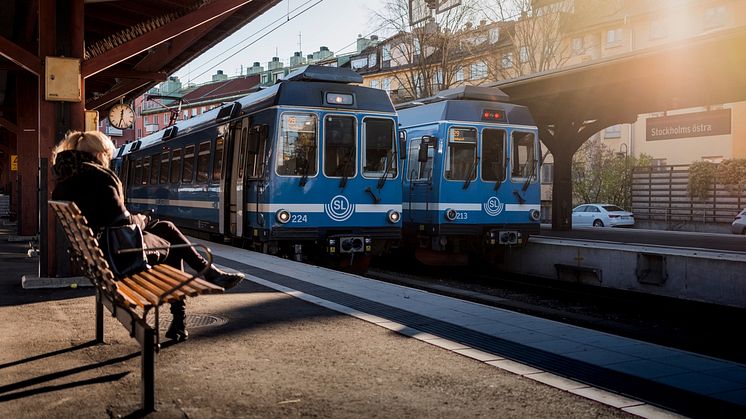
[
  {"x": 153, "y": 38},
  {"x": 8, "y": 125},
  {"x": 121, "y": 89},
  {"x": 20, "y": 56},
  {"x": 121, "y": 73}
]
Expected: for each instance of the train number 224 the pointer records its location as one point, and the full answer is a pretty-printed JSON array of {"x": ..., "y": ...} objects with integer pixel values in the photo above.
[{"x": 299, "y": 218}]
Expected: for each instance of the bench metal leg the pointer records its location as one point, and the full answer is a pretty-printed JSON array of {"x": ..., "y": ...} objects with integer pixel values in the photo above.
[
  {"x": 148, "y": 371},
  {"x": 99, "y": 320}
]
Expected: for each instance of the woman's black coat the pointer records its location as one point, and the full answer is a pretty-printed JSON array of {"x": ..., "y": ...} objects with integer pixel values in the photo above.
[{"x": 98, "y": 193}]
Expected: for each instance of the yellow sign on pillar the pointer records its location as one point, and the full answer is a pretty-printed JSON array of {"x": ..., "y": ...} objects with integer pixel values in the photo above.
[
  {"x": 13, "y": 162},
  {"x": 91, "y": 120}
]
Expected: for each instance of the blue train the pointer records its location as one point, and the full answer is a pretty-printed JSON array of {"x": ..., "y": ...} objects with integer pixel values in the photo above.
[
  {"x": 307, "y": 167},
  {"x": 471, "y": 184}
]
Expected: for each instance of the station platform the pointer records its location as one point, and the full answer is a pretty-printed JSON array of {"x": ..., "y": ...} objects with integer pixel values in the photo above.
[{"x": 300, "y": 340}]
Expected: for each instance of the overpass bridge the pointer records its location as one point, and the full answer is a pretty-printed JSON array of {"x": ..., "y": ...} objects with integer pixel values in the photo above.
[{"x": 571, "y": 104}]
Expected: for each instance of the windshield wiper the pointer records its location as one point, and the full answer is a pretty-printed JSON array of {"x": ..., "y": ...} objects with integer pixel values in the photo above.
[
  {"x": 498, "y": 181},
  {"x": 304, "y": 178},
  {"x": 530, "y": 175},
  {"x": 382, "y": 179},
  {"x": 471, "y": 172},
  {"x": 345, "y": 164}
]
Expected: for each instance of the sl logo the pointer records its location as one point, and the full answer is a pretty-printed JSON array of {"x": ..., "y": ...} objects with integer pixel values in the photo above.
[
  {"x": 339, "y": 208},
  {"x": 494, "y": 207}
]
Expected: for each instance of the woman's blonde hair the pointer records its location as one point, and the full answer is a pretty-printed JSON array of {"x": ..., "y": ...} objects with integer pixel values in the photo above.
[{"x": 93, "y": 142}]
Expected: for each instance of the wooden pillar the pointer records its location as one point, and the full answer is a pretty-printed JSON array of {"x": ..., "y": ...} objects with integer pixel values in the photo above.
[
  {"x": 27, "y": 145},
  {"x": 77, "y": 47},
  {"x": 47, "y": 140}
]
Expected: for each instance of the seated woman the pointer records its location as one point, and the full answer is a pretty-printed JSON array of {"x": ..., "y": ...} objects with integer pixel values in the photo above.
[{"x": 81, "y": 167}]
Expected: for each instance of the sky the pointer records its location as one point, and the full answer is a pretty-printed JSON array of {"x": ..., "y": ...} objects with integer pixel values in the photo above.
[{"x": 331, "y": 23}]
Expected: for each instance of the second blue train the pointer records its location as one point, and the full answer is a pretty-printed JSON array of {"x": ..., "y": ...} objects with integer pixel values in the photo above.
[{"x": 471, "y": 183}]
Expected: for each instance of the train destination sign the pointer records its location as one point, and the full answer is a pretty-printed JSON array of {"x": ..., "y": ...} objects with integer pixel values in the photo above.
[{"x": 698, "y": 124}]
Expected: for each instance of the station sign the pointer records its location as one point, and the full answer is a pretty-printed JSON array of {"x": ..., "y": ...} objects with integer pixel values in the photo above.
[
  {"x": 13, "y": 162},
  {"x": 698, "y": 124}
]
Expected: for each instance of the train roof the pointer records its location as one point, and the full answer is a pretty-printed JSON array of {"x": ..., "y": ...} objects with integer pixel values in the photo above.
[
  {"x": 305, "y": 87},
  {"x": 465, "y": 103}
]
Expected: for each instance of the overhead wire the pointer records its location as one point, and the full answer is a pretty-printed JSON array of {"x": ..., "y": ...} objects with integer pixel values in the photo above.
[{"x": 285, "y": 19}]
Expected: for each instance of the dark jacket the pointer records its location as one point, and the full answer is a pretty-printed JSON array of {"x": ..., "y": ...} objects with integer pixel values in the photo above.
[
  {"x": 98, "y": 193},
  {"x": 95, "y": 189}
]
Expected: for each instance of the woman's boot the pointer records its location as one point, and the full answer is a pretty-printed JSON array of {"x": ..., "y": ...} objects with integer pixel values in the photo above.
[
  {"x": 177, "y": 331},
  {"x": 223, "y": 279}
]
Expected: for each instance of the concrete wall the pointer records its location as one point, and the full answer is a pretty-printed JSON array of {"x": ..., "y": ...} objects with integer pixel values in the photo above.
[{"x": 696, "y": 275}]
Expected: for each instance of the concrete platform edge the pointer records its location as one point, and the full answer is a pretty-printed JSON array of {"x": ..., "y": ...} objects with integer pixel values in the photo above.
[{"x": 35, "y": 282}]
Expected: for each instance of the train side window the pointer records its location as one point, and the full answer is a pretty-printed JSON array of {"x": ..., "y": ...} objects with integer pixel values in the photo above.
[
  {"x": 188, "y": 165},
  {"x": 164, "y": 169},
  {"x": 340, "y": 151},
  {"x": 154, "y": 169},
  {"x": 138, "y": 172},
  {"x": 493, "y": 155},
  {"x": 242, "y": 156},
  {"x": 523, "y": 159},
  {"x": 461, "y": 158},
  {"x": 380, "y": 148},
  {"x": 417, "y": 170},
  {"x": 217, "y": 162},
  {"x": 131, "y": 172},
  {"x": 256, "y": 155},
  {"x": 175, "y": 165},
  {"x": 203, "y": 160},
  {"x": 297, "y": 145},
  {"x": 145, "y": 170}
]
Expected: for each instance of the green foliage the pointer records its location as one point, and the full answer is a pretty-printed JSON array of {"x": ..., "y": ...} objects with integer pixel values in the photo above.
[
  {"x": 603, "y": 175},
  {"x": 732, "y": 174},
  {"x": 701, "y": 179}
]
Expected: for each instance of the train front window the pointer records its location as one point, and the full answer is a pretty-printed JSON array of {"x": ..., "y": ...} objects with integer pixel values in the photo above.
[
  {"x": 461, "y": 158},
  {"x": 493, "y": 155},
  {"x": 380, "y": 148},
  {"x": 339, "y": 146},
  {"x": 297, "y": 145},
  {"x": 523, "y": 159}
]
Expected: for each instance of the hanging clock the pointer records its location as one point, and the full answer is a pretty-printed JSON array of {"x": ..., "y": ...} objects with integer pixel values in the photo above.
[{"x": 121, "y": 116}]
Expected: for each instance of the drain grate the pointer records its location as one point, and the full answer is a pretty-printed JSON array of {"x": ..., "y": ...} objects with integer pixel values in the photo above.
[{"x": 195, "y": 321}]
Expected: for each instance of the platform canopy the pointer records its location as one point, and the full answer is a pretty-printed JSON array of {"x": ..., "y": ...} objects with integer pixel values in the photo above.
[{"x": 129, "y": 45}]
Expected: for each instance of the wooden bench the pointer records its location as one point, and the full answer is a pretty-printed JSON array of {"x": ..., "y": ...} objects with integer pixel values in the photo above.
[{"x": 129, "y": 299}]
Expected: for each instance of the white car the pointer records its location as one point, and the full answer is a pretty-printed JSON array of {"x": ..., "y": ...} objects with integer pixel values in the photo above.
[
  {"x": 739, "y": 224},
  {"x": 602, "y": 215}
]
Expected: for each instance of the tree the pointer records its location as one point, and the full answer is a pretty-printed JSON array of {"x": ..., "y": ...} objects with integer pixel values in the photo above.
[
  {"x": 533, "y": 33},
  {"x": 424, "y": 56},
  {"x": 602, "y": 175},
  {"x": 531, "y": 39}
]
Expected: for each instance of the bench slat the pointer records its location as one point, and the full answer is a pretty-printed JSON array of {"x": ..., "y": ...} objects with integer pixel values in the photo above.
[
  {"x": 138, "y": 293},
  {"x": 199, "y": 283},
  {"x": 170, "y": 280},
  {"x": 158, "y": 288},
  {"x": 126, "y": 296}
]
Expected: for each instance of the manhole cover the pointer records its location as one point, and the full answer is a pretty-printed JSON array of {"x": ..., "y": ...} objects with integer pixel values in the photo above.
[{"x": 194, "y": 321}]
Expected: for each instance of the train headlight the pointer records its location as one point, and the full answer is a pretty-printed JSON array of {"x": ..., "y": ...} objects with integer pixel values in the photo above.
[
  {"x": 534, "y": 215},
  {"x": 394, "y": 216},
  {"x": 450, "y": 214},
  {"x": 283, "y": 216}
]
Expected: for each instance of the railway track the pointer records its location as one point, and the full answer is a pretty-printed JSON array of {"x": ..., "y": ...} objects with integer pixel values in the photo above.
[{"x": 696, "y": 327}]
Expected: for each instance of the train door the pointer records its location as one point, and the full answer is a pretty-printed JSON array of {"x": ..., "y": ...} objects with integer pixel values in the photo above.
[
  {"x": 419, "y": 178},
  {"x": 256, "y": 167},
  {"x": 238, "y": 173}
]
